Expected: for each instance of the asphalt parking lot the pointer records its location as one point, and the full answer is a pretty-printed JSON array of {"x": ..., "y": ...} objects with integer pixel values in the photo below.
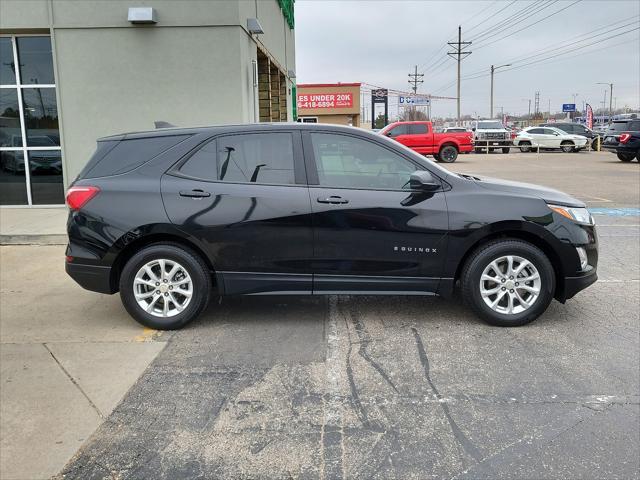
[{"x": 354, "y": 387}]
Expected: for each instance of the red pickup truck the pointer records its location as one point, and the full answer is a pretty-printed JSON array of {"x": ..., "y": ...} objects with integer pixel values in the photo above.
[{"x": 419, "y": 136}]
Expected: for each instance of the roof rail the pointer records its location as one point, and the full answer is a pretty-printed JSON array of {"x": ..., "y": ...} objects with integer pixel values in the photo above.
[{"x": 163, "y": 124}]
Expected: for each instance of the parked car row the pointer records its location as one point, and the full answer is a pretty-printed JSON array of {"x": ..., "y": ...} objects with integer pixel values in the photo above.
[{"x": 623, "y": 139}]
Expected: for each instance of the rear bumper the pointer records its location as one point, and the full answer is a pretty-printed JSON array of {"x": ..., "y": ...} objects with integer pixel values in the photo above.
[
  {"x": 573, "y": 285},
  {"x": 91, "y": 277}
]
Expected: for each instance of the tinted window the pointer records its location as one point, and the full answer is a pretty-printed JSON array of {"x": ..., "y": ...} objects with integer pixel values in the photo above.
[
  {"x": 256, "y": 157},
  {"x": 490, "y": 125},
  {"x": 399, "y": 130},
  {"x": 548, "y": 131},
  {"x": 130, "y": 154},
  {"x": 10, "y": 132},
  {"x": 619, "y": 126},
  {"x": 40, "y": 115},
  {"x": 635, "y": 126},
  {"x": 535, "y": 131},
  {"x": 7, "y": 77},
  {"x": 36, "y": 60},
  {"x": 417, "y": 129},
  {"x": 350, "y": 162}
]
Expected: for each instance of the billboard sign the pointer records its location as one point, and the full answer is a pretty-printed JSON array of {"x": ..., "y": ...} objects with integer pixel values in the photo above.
[
  {"x": 413, "y": 101},
  {"x": 325, "y": 100},
  {"x": 568, "y": 107}
]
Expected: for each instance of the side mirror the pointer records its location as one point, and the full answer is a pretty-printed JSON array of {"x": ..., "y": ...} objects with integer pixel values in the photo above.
[{"x": 423, "y": 180}]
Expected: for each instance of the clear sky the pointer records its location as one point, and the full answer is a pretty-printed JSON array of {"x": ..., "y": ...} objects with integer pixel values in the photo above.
[{"x": 580, "y": 43}]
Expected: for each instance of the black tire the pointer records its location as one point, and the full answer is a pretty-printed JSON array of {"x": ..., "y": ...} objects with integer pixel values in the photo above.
[
  {"x": 638, "y": 157},
  {"x": 448, "y": 154},
  {"x": 525, "y": 147},
  {"x": 625, "y": 157},
  {"x": 436, "y": 157},
  {"x": 491, "y": 251},
  {"x": 478, "y": 150},
  {"x": 491, "y": 150},
  {"x": 506, "y": 149},
  {"x": 567, "y": 147},
  {"x": 192, "y": 263}
]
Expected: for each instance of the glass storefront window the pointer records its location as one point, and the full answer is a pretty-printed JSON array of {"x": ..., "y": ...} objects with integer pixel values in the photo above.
[
  {"x": 40, "y": 117},
  {"x": 45, "y": 168},
  {"x": 36, "y": 60},
  {"x": 30, "y": 153},
  {"x": 7, "y": 65},
  {"x": 13, "y": 187},
  {"x": 10, "y": 133}
]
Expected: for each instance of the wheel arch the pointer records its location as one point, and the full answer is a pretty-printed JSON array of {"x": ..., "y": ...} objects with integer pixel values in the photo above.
[
  {"x": 524, "y": 233},
  {"x": 449, "y": 143},
  {"x": 131, "y": 246}
]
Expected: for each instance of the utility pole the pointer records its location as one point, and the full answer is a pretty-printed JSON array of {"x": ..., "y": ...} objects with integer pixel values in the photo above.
[
  {"x": 529, "y": 109},
  {"x": 493, "y": 69},
  {"x": 537, "y": 104},
  {"x": 415, "y": 79},
  {"x": 458, "y": 51}
]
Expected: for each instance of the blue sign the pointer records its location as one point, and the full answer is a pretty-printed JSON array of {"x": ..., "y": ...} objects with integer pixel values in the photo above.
[
  {"x": 403, "y": 101},
  {"x": 568, "y": 107}
]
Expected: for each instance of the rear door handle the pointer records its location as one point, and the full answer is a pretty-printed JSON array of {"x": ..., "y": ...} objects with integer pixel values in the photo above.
[
  {"x": 334, "y": 199},
  {"x": 195, "y": 193}
]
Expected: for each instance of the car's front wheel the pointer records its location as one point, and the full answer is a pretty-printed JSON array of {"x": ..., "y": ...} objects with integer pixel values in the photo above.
[
  {"x": 165, "y": 286},
  {"x": 567, "y": 147},
  {"x": 508, "y": 282}
]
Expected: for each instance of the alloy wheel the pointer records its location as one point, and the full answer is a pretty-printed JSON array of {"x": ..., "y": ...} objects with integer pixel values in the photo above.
[
  {"x": 163, "y": 288},
  {"x": 510, "y": 285}
]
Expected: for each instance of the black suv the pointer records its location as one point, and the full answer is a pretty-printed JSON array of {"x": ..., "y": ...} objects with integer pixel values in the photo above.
[
  {"x": 576, "y": 129},
  {"x": 167, "y": 217},
  {"x": 623, "y": 138}
]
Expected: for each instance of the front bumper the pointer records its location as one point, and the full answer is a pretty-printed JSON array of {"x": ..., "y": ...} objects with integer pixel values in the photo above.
[
  {"x": 91, "y": 277},
  {"x": 573, "y": 285}
]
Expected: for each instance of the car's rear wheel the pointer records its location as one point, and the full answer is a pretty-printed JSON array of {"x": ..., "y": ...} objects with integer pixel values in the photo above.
[
  {"x": 448, "y": 154},
  {"x": 165, "y": 286},
  {"x": 525, "y": 146},
  {"x": 506, "y": 149},
  {"x": 508, "y": 282},
  {"x": 567, "y": 146},
  {"x": 625, "y": 157}
]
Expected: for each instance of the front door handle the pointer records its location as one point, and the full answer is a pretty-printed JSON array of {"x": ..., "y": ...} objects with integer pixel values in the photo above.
[
  {"x": 334, "y": 200},
  {"x": 195, "y": 193}
]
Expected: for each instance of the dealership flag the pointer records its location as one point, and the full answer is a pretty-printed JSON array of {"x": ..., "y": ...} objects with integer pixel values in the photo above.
[{"x": 589, "y": 116}]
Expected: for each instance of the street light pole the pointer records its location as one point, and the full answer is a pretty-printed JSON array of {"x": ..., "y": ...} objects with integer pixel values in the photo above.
[
  {"x": 493, "y": 69},
  {"x": 610, "y": 98}
]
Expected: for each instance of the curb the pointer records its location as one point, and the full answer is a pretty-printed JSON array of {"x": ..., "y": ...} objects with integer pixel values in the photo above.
[{"x": 33, "y": 240}]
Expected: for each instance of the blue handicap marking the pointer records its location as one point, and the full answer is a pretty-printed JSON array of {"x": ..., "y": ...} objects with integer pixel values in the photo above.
[{"x": 616, "y": 212}]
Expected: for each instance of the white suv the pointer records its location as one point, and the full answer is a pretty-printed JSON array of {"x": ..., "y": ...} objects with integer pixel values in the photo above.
[{"x": 549, "y": 138}]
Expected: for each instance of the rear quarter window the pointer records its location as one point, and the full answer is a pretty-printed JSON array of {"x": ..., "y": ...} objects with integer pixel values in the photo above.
[{"x": 127, "y": 155}]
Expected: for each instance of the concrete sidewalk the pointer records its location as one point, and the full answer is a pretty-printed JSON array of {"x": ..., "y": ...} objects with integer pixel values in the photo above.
[
  {"x": 67, "y": 358},
  {"x": 33, "y": 226}
]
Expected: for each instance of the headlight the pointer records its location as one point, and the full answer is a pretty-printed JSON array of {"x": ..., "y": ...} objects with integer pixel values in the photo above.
[{"x": 580, "y": 215}]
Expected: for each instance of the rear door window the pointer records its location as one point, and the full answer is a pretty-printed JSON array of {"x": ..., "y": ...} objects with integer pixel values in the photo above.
[
  {"x": 417, "y": 129},
  {"x": 244, "y": 158}
]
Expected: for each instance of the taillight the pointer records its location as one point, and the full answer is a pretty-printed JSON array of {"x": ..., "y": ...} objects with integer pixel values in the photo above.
[
  {"x": 77, "y": 197},
  {"x": 624, "y": 138}
]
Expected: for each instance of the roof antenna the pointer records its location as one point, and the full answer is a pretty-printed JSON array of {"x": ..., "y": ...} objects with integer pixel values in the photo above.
[{"x": 162, "y": 124}]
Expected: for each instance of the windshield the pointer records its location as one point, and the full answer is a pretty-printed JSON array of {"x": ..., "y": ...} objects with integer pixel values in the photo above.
[{"x": 487, "y": 125}]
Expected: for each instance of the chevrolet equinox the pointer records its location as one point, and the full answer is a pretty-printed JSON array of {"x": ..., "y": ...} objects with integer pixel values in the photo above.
[{"x": 171, "y": 216}]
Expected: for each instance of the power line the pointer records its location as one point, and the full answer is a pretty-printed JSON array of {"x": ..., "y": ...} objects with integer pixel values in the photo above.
[
  {"x": 530, "y": 9},
  {"x": 493, "y": 15},
  {"x": 529, "y": 26}
]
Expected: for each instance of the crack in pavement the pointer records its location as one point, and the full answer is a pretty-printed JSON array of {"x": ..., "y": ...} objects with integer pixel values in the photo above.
[{"x": 462, "y": 439}]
